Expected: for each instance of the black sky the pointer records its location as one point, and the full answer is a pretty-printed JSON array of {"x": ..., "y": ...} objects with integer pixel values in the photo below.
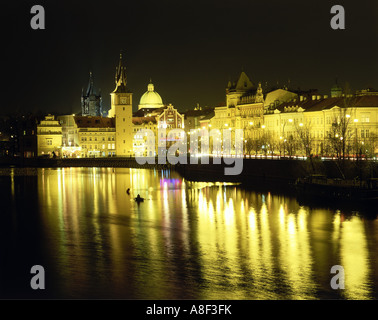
[{"x": 190, "y": 49}]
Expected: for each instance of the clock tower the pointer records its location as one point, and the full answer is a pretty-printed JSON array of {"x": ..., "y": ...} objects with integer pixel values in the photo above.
[{"x": 121, "y": 109}]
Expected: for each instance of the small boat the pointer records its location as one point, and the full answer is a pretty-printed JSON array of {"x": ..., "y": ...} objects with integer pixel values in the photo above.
[{"x": 139, "y": 199}]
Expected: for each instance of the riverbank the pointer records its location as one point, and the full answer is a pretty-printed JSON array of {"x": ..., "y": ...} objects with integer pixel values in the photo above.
[
  {"x": 111, "y": 162},
  {"x": 256, "y": 172}
]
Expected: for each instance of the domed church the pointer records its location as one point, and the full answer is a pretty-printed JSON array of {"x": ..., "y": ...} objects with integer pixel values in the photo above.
[{"x": 150, "y": 99}]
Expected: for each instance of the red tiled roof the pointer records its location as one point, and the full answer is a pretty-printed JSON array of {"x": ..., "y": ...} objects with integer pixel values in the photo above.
[
  {"x": 141, "y": 120},
  {"x": 94, "y": 122}
]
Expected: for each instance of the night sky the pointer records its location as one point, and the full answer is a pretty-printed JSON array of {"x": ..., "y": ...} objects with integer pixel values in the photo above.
[{"x": 190, "y": 49}]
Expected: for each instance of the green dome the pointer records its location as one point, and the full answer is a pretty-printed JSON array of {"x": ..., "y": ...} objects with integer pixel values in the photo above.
[{"x": 151, "y": 98}]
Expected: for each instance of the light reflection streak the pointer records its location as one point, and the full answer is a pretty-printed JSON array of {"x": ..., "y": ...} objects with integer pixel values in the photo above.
[
  {"x": 245, "y": 250},
  {"x": 295, "y": 253},
  {"x": 354, "y": 259}
]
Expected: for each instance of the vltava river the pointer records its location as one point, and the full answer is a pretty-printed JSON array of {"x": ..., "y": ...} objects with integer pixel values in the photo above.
[{"x": 185, "y": 241}]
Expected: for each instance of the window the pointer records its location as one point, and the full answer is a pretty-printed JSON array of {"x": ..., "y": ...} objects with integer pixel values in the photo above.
[
  {"x": 365, "y": 117},
  {"x": 49, "y": 142}
]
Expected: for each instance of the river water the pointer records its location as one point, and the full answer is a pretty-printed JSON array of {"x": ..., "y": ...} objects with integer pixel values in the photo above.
[{"x": 187, "y": 240}]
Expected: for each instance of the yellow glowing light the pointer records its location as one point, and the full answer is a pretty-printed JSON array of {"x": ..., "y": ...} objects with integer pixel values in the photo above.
[{"x": 354, "y": 259}]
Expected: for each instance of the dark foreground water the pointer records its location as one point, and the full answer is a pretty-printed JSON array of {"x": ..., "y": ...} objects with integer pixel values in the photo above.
[{"x": 186, "y": 241}]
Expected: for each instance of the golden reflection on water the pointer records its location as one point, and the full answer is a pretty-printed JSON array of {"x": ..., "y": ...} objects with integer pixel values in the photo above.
[
  {"x": 354, "y": 256},
  {"x": 192, "y": 240}
]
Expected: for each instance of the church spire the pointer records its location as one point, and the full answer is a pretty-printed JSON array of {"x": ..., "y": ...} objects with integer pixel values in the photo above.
[
  {"x": 90, "y": 88},
  {"x": 91, "y": 102},
  {"x": 120, "y": 77}
]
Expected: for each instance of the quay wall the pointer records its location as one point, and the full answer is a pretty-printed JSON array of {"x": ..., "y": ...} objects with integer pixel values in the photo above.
[{"x": 255, "y": 171}]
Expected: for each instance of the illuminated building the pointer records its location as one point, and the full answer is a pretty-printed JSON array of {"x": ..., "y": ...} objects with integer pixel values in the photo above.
[
  {"x": 121, "y": 110},
  {"x": 96, "y": 136},
  {"x": 70, "y": 140},
  {"x": 194, "y": 117},
  {"x": 91, "y": 102},
  {"x": 245, "y": 105},
  {"x": 140, "y": 123},
  {"x": 166, "y": 118},
  {"x": 321, "y": 114},
  {"x": 49, "y": 136}
]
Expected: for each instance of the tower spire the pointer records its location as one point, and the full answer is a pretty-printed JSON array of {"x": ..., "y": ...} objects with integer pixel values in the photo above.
[
  {"x": 120, "y": 77},
  {"x": 90, "y": 88}
]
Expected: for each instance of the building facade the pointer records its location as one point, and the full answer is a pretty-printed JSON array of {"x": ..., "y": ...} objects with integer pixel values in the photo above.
[
  {"x": 342, "y": 125},
  {"x": 96, "y": 136},
  {"x": 70, "y": 141},
  {"x": 121, "y": 110},
  {"x": 49, "y": 137}
]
